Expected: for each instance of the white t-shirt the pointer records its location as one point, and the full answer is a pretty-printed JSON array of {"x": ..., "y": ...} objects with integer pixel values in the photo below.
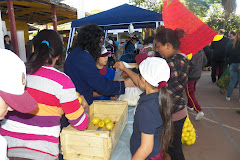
[{"x": 3, "y": 148}]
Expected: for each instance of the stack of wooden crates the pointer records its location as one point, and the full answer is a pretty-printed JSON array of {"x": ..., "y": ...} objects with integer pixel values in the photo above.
[{"x": 93, "y": 144}]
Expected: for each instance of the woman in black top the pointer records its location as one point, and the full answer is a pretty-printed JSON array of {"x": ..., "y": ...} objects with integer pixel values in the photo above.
[{"x": 234, "y": 60}]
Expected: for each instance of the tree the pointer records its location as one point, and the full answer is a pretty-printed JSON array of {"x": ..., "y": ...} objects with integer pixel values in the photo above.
[
  {"x": 229, "y": 7},
  {"x": 152, "y": 5}
]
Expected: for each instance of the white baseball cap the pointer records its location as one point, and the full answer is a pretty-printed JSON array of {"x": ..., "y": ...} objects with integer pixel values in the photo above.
[
  {"x": 104, "y": 52},
  {"x": 13, "y": 81},
  {"x": 154, "y": 70},
  {"x": 110, "y": 42}
]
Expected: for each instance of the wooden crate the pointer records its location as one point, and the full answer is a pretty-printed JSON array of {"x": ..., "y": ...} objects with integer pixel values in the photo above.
[{"x": 93, "y": 144}]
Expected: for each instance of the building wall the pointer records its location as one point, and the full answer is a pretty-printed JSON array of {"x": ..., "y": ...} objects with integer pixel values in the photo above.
[{"x": 20, "y": 25}]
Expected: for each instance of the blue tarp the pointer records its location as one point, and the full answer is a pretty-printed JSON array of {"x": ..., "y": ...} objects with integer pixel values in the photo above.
[{"x": 120, "y": 18}]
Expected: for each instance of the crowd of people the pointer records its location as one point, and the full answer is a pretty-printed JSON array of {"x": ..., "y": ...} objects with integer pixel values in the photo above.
[{"x": 155, "y": 90}]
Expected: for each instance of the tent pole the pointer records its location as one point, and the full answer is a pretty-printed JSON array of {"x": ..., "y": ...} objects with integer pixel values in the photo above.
[
  {"x": 106, "y": 32},
  {"x": 70, "y": 39}
]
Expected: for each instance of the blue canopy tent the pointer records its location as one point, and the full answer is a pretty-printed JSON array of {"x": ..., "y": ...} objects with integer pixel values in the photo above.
[{"x": 119, "y": 18}]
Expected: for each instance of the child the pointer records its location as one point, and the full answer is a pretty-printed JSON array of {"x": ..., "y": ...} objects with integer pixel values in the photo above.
[
  {"x": 193, "y": 78},
  {"x": 167, "y": 44},
  {"x": 37, "y": 133},
  {"x": 104, "y": 71},
  {"x": 12, "y": 94},
  {"x": 152, "y": 120}
]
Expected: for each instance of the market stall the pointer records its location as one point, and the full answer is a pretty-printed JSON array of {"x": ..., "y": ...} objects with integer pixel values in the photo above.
[{"x": 119, "y": 18}]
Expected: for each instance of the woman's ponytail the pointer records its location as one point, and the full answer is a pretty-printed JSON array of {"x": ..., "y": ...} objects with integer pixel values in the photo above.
[{"x": 165, "y": 108}]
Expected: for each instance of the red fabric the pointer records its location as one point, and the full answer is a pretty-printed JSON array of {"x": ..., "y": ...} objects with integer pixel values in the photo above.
[
  {"x": 162, "y": 84},
  {"x": 103, "y": 71},
  {"x": 140, "y": 57},
  {"x": 197, "y": 34},
  {"x": 157, "y": 157},
  {"x": 192, "y": 101}
]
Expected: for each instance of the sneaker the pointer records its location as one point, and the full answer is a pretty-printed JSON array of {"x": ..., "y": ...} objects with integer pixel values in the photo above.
[
  {"x": 199, "y": 115},
  {"x": 228, "y": 98},
  {"x": 190, "y": 109}
]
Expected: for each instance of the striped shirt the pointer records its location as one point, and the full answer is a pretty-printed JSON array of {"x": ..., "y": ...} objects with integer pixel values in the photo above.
[{"x": 36, "y": 135}]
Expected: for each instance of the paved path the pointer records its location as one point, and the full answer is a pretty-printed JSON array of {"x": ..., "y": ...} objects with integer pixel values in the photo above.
[{"x": 219, "y": 131}]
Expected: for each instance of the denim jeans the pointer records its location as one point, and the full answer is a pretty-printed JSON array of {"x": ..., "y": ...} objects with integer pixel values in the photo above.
[{"x": 234, "y": 77}]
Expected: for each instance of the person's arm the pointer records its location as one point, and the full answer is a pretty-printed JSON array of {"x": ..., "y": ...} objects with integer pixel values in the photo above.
[
  {"x": 147, "y": 141},
  {"x": 134, "y": 77},
  {"x": 75, "y": 112},
  {"x": 96, "y": 94}
]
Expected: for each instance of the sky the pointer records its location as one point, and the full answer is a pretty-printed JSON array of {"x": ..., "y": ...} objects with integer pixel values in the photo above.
[{"x": 90, "y": 5}]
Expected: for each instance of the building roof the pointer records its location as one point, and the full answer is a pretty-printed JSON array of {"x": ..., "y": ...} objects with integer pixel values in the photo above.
[{"x": 39, "y": 11}]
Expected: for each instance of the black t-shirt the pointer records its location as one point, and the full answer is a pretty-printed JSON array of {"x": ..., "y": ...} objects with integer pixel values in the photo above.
[{"x": 147, "y": 120}]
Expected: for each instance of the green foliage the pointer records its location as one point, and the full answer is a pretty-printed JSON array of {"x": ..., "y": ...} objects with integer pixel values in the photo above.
[
  {"x": 152, "y": 5},
  {"x": 217, "y": 19}
]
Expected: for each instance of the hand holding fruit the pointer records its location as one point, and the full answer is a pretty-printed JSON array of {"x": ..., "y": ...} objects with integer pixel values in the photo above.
[{"x": 119, "y": 65}]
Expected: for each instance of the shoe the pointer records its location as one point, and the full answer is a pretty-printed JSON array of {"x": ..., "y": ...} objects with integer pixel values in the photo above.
[
  {"x": 228, "y": 98},
  {"x": 213, "y": 80},
  {"x": 199, "y": 115},
  {"x": 190, "y": 109}
]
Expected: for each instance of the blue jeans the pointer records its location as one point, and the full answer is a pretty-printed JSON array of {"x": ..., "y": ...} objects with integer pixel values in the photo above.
[{"x": 234, "y": 77}]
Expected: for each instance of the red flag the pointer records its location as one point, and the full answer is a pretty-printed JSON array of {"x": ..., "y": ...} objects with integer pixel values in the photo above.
[{"x": 197, "y": 34}]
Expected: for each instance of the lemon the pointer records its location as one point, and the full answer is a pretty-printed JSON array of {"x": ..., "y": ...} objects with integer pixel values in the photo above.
[
  {"x": 185, "y": 125},
  {"x": 185, "y": 139},
  {"x": 80, "y": 100},
  {"x": 95, "y": 120},
  {"x": 184, "y": 130},
  {"x": 187, "y": 134},
  {"x": 183, "y": 134},
  {"x": 190, "y": 128},
  {"x": 101, "y": 123},
  {"x": 107, "y": 120},
  {"x": 189, "y": 142},
  {"x": 109, "y": 125},
  {"x": 193, "y": 140}
]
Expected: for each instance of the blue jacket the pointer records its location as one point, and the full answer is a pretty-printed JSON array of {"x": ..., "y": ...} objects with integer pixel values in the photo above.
[{"x": 81, "y": 68}]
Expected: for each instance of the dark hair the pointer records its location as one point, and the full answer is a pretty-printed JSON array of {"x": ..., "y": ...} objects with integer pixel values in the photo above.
[
  {"x": 148, "y": 40},
  {"x": 233, "y": 32},
  {"x": 89, "y": 38},
  {"x": 165, "y": 108},
  {"x": 44, "y": 52},
  {"x": 168, "y": 35},
  {"x": 6, "y": 36},
  {"x": 236, "y": 41}
]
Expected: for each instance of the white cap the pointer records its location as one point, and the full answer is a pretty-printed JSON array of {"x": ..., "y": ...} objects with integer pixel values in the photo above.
[
  {"x": 127, "y": 65},
  {"x": 13, "y": 81},
  {"x": 104, "y": 52},
  {"x": 110, "y": 42},
  {"x": 154, "y": 70}
]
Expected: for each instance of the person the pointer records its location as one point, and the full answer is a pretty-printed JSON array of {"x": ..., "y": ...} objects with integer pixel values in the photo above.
[
  {"x": 148, "y": 47},
  {"x": 36, "y": 135},
  {"x": 131, "y": 96},
  {"x": 152, "y": 127},
  {"x": 7, "y": 43},
  {"x": 13, "y": 95},
  {"x": 111, "y": 56},
  {"x": 234, "y": 60},
  {"x": 231, "y": 35},
  {"x": 80, "y": 65},
  {"x": 193, "y": 78},
  {"x": 130, "y": 46},
  {"x": 167, "y": 44},
  {"x": 104, "y": 71},
  {"x": 117, "y": 44},
  {"x": 218, "y": 59}
]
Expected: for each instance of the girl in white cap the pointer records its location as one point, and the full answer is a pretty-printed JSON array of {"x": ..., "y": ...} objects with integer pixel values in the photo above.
[{"x": 152, "y": 127}]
